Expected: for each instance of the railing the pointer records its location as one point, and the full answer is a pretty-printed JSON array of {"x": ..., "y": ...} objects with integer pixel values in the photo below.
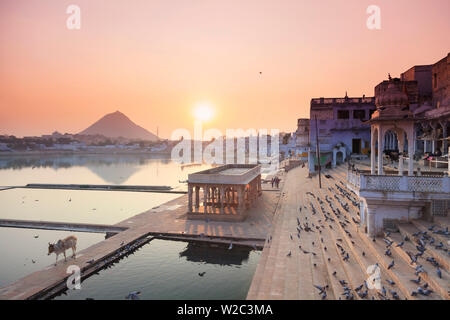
[
  {"x": 342, "y": 100},
  {"x": 429, "y": 184}
]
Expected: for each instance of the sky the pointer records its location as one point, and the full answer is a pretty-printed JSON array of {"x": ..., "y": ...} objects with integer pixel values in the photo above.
[{"x": 256, "y": 63}]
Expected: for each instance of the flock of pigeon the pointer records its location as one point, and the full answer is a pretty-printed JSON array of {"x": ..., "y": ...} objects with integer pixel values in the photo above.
[{"x": 422, "y": 239}]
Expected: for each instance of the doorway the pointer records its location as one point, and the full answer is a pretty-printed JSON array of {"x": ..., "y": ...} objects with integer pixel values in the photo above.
[{"x": 356, "y": 146}]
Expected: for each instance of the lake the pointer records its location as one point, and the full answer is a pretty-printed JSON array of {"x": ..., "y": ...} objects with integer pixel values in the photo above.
[{"x": 170, "y": 266}]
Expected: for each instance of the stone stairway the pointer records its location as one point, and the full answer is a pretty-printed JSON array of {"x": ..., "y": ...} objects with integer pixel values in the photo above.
[{"x": 313, "y": 232}]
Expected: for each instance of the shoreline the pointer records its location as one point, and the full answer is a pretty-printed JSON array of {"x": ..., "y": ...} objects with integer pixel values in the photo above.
[{"x": 76, "y": 153}]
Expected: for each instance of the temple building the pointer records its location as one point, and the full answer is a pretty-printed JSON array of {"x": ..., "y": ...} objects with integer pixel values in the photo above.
[
  {"x": 302, "y": 139},
  {"x": 387, "y": 194},
  {"x": 341, "y": 129},
  {"x": 224, "y": 193}
]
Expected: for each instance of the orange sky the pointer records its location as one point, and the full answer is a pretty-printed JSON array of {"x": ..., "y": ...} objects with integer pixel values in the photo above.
[{"x": 154, "y": 60}]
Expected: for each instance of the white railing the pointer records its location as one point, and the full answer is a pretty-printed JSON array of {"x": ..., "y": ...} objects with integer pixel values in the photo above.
[
  {"x": 399, "y": 183},
  {"x": 353, "y": 178}
]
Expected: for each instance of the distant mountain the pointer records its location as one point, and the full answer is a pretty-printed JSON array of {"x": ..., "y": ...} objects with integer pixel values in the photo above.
[{"x": 116, "y": 124}]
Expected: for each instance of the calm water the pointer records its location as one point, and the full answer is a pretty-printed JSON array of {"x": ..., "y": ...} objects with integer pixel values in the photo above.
[
  {"x": 170, "y": 270},
  {"x": 19, "y": 248},
  {"x": 164, "y": 269}
]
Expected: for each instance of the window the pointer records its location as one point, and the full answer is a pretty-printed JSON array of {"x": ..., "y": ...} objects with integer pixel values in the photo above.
[
  {"x": 435, "y": 80},
  {"x": 359, "y": 114},
  {"x": 343, "y": 114}
]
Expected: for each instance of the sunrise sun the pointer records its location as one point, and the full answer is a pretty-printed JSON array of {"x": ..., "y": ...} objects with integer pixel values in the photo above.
[{"x": 203, "y": 112}]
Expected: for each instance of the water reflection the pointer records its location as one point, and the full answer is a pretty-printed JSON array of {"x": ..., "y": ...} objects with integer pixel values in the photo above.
[
  {"x": 115, "y": 169},
  {"x": 160, "y": 271},
  {"x": 56, "y": 162},
  {"x": 215, "y": 254}
]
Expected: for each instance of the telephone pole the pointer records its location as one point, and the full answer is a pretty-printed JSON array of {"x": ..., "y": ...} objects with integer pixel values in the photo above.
[{"x": 318, "y": 151}]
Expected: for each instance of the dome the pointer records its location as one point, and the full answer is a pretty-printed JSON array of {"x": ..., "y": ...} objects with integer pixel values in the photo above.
[{"x": 392, "y": 97}]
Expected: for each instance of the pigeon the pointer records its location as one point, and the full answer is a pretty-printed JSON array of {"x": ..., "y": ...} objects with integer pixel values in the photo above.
[
  {"x": 133, "y": 295},
  {"x": 321, "y": 289},
  {"x": 416, "y": 280},
  {"x": 439, "y": 273},
  {"x": 400, "y": 244},
  {"x": 36, "y": 236},
  {"x": 392, "y": 283},
  {"x": 363, "y": 294},
  {"x": 201, "y": 274},
  {"x": 395, "y": 295},
  {"x": 289, "y": 254},
  {"x": 391, "y": 265},
  {"x": 231, "y": 246}
]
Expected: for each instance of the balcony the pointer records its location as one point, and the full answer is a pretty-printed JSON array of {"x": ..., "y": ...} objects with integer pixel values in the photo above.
[{"x": 427, "y": 183}]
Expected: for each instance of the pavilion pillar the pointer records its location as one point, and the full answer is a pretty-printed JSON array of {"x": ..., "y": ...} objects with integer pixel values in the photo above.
[
  {"x": 205, "y": 199},
  {"x": 222, "y": 198},
  {"x": 197, "y": 198},
  {"x": 400, "y": 156},
  {"x": 380, "y": 151},
  {"x": 444, "y": 136},
  {"x": 372, "y": 153},
  {"x": 241, "y": 199},
  {"x": 233, "y": 195},
  {"x": 411, "y": 154},
  {"x": 190, "y": 198},
  {"x": 433, "y": 141}
]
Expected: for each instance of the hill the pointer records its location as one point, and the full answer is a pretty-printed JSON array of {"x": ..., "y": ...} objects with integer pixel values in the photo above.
[{"x": 116, "y": 124}]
